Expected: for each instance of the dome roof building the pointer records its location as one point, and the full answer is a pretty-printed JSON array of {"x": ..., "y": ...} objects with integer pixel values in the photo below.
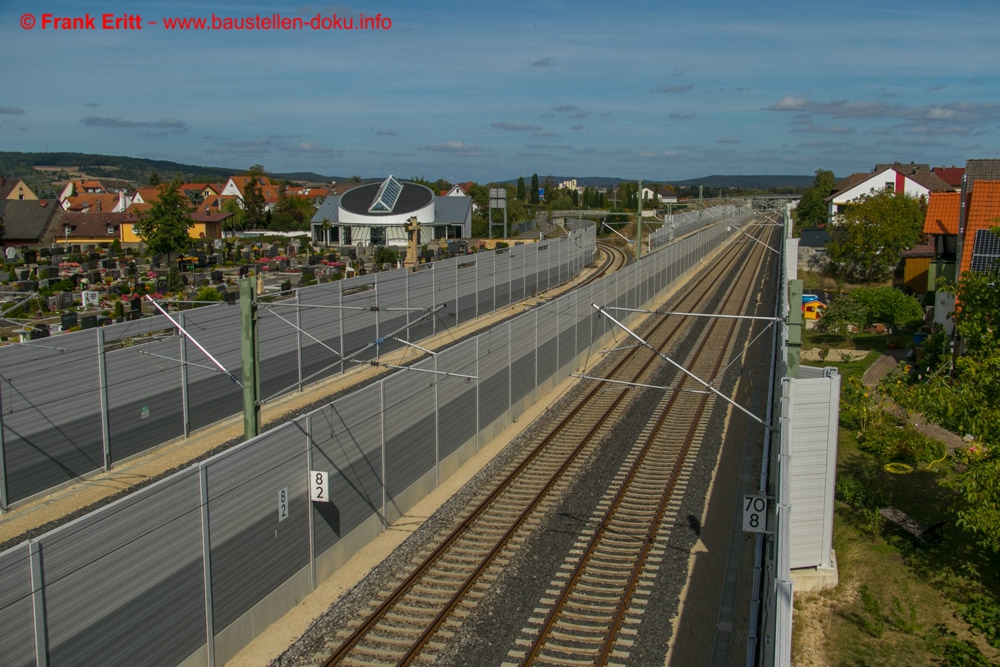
[{"x": 377, "y": 214}]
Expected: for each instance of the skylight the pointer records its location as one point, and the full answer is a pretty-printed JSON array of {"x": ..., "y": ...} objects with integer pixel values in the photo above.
[{"x": 387, "y": 195}]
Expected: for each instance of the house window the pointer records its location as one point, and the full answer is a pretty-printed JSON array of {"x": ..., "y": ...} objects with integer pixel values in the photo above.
[
  {"x": 112, "y": 229},
  {"x": 889, "y": 187},
  {"x": 135, "y": 229}
]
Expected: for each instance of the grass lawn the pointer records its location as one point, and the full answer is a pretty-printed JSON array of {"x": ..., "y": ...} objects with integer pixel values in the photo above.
[{"x": 899, "y": 602}]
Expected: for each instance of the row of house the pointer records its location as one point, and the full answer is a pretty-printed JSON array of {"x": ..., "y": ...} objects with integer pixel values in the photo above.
[
  {"x": 963, "y": 205},
  {"x": 89, "y": 211}
]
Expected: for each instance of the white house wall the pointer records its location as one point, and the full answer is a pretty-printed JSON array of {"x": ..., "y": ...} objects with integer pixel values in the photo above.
[
  {"x": 424, "y": 215},
  {"x": 877, "y": 183}
]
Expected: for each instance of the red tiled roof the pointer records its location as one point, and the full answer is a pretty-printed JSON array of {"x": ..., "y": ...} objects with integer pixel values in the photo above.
[
  {"x": 942, "y": 213},
  {"x": 149, "y": 194},
  {"x": 951, "y": 175},
  {"x": 98, "y": 203},
  {"x": 983, "y": 214}
]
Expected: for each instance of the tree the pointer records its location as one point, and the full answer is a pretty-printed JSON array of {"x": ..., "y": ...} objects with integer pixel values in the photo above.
[
  {"x": 966, "y": 399},
  {"x": 889, "y": 306},
  {"x": 154, "y": 179},
  {"x": 236, "y": 222},
  {"x": 812, "y": 209},
  {"x": 521, "y": 191},
  {"x": 164, "y": 227},
  {"x": 844, "y": 316},
  {"x": 534, "y": 189},
  {"x": 867, "y": 239},
  {"x": 253, "y": 198}
]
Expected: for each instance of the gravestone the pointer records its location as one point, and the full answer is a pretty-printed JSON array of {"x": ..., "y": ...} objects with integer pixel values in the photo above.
[
  {"x": 67, "y": 320},
  {"x": 135, "y": 305},
  {"x": 88, "y": 322},
  {"x": 30, "y": 257}
]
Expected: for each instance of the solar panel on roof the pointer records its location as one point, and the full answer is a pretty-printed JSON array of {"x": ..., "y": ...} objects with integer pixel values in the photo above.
[{"x": 985, "y": 251}]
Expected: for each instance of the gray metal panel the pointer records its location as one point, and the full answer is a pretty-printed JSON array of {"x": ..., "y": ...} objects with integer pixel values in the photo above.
[
  {"x": 322, "y": 324},
  {"x": 522, "y": 332},
  {"x": 51, "y": 404},
  {"x": 359, "y": 326},
  {"x": 494, "y": 358},
  {"x": 123, "y": 584},
  {"x": 517, "y": 288},
  {"x": 466, "y": 307},
  {"x": 493, "y": 290},
  {"x": 548, "y": 357},
  {"x": 144, "y": 395},
  {"x": 347, "y": 443},
  {"x": 17, "y": 640},
  {"x": 420, "y": 288},
  {"x": 445, "y": 285},
  {"x": 211, "y": 395},
  {"x": 409, "y": 429},
  {"x": 456, "y": 397},
  {"x": 253, "y": 551},
  {"x": 566, "y": 307},
  {"x": 584, "y": 297},
  {"x": 529, "y": 255},
  {"x": 277, "y": 342}
]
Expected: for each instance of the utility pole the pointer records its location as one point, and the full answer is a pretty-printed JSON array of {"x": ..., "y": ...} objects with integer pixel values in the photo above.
[
  {"x": 251, "y": 369},
  {"x": 638, "y": 228}
]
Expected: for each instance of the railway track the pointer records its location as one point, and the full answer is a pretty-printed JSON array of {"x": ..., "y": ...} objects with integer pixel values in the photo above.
[
  {"x": 615, "y": 259},
  {"x": 592, "y": 610}
]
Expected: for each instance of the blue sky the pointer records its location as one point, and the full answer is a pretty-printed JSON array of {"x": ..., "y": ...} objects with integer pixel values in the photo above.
[{"x": 491, "y": 91}]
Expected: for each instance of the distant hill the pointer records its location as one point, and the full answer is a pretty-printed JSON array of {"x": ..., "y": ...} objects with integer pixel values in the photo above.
[
  {"x": 763, "y": 182},
  {"x": 132, "y": 170},
  {"x": 760, "y": 182}
]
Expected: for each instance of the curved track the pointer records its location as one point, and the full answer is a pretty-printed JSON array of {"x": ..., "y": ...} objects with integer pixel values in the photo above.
[{"x": 591, "y": 611}]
